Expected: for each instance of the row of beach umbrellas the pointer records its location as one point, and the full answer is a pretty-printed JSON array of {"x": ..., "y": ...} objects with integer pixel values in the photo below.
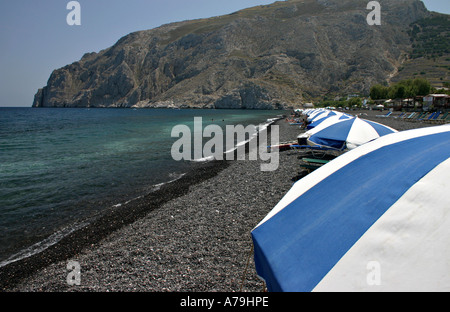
[
  {"x": 376, "y": 218},
  {"x": 337, "y": 130}
]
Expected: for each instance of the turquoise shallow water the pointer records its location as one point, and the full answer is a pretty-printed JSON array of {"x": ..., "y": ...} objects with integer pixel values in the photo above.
[{"x": 61, "y": 167}]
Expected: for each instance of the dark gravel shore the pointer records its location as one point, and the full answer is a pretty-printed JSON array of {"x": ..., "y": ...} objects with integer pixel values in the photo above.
[{"x": 197, "y": 241}]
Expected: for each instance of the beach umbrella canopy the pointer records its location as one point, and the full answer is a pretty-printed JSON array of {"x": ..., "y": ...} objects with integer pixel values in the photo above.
[
  {"x": 316, "y": 113},
  {"x": 376, "y": 218},
  {"x": 318, "y": 120},
  {"x": 327, "y": 122},
  {"x": 349, "y": 134},
  {"x": 302, "y": 137}
]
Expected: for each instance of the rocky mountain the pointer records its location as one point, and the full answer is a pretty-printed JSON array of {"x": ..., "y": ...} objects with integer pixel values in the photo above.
[
  {"x": 264, "y": 57},
  {"x": 430, "y": 51}
]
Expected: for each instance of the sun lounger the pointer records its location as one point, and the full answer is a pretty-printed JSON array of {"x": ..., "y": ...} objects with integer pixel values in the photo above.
[
  {"x": 281, "y": 147},
  {"x": 411, "y": 116},
  {"x": 316, "y": 152},
  {"x": 442, "y": 119},
  {"x": 386, "y": 115},
  {"x": 311, "y": 164},
  {"x": 424, "y": 116},
  {"x": 418, "y": 116},
  {"x": 315, "y": 147},
  {"x": 431, "y": 116},
  {"x": 315, "y": 161}
]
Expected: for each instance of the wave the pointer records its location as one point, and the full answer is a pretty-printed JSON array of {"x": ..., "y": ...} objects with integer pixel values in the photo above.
[
  {"x": 261, "y": 127},
  {"x": 158, "y": 186},
  {"x": 203, "y": 159},
  {"x": 44, "y": 244},
  {"x": 60, "y": 234}
]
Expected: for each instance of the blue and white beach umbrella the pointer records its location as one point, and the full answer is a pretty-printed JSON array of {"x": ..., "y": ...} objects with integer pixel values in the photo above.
[
  {"x": 348, "y": 134},
  {"x": 316, "y": 114},
  {"x": 321, "y": 118},
  {"x": 302, "y": 137},
  {"x": 376, "y": 218}
]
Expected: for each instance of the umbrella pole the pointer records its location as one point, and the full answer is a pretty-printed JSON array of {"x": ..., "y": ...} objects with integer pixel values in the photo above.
[{"x": 246, "y": 268}]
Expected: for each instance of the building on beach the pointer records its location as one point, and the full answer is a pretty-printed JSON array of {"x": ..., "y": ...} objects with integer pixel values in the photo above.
[{"x": 438, "y": 102}]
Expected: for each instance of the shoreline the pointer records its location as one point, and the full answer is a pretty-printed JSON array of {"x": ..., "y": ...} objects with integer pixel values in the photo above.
[
  {"x": 115, "y": 218},
  {"x": 192, "y": 235}
]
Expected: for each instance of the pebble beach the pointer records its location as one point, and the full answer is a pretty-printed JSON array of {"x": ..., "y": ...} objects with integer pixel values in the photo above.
[{"x": 195, "y": 238}]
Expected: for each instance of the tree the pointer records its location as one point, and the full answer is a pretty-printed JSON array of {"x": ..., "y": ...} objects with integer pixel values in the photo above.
[
  {"x": 355, "y": 102},
  {"x": 422, "y": 85},
  {"x": 378, "y": 92},
  {"x": 401, "y": 92},
  {"x": 402, "y": 89}
]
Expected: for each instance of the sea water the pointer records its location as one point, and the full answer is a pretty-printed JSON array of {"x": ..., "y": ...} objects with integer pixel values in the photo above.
[{"x": 60, "y": 168}]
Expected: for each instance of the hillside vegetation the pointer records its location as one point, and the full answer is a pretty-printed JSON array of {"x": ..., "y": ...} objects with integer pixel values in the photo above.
[{"x": 429, "y": 56}]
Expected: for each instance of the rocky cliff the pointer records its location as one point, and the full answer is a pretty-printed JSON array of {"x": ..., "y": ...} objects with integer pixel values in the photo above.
[{"x": 270, "y": 56}]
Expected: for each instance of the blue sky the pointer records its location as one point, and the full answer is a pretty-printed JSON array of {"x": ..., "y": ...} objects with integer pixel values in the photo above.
[{"x": 36, "y": 39}]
